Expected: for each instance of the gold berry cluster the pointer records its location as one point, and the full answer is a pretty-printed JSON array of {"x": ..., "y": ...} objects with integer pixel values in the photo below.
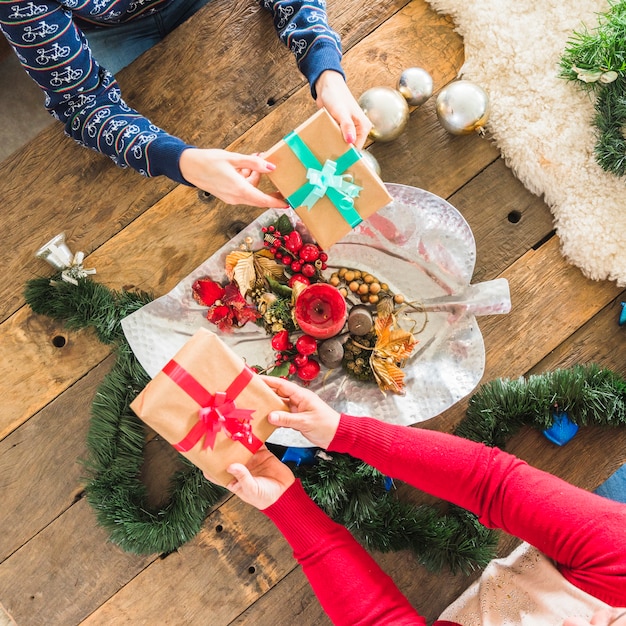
[{"x": 363, "y": 285}]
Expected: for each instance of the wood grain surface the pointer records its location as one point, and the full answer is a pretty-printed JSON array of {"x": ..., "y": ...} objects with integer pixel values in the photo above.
[{"x": 224, "y": 80}]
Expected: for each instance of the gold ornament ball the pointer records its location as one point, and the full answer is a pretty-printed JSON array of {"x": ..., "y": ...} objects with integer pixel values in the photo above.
[
  {"x": 416, "y": 85},
  {"x": 462, "y": 107},
  {"x": 387, "y": 110},
  {"x": 370, "y": 160}
]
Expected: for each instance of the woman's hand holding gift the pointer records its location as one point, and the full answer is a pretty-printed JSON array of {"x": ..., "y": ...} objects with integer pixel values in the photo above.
[{"x": 309, "y": 415}]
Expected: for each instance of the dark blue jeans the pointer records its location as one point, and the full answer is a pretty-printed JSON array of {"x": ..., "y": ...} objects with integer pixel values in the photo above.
[
  {"x": 115, "y": 47},
  {"x": 615, "y": 486}
]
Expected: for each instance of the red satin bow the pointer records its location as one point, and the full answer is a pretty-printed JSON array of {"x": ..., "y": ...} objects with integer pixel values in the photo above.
[
  {"x": 217, "y": 411},
  {"x": 222, "y": 414}
]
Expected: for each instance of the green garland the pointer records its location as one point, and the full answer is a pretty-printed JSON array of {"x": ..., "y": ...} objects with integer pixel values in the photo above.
[
  {"x": 351, "y": 492},
  {"x": 596, "y": 60}
]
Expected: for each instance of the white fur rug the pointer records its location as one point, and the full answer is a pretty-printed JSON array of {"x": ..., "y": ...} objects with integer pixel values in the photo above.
[{"x": 543, "y": 124}]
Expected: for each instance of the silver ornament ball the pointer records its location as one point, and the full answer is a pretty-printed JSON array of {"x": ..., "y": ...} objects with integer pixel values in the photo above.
[
  {"x": 370, "y": 160},
  {"x": 387, "y": 110},
  {"x": 416, "y": 85},
  {"x": 462, "y": 107}
]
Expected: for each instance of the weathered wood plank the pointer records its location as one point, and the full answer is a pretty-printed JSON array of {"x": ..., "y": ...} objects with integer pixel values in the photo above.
[
  {"x": 34, "y": 370},
  {"x": 5, "y": 618},
  {"x": 507, "y": 220},
  {"x": 65, "y": 571},
  {"x": 600, "y": 341},
  {"x": 40, "y": 464},
  {"x": 290, "y": 601},
  {"x": 541, "y": 282},
  {"x": 234, "y": 560}
]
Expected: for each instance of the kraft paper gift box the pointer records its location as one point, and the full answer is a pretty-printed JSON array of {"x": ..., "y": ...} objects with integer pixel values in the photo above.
[
  {"x": 325, "y": 180},
  {"x": 209, "y": 405}
]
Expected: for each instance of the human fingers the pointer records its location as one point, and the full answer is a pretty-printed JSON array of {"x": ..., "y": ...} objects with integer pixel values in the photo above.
[
  {"x": 244, "y": 483},
  {"x": 363, "y": 127},
  {"x": 283, "y": 387},
  {"x": 251, "y": 162},
  {"x": 348, "y": 129},
  {"x": 247, "y": 193},
  {"x": 219, "y": 173},
  {"x": 298, "y": 398},
  {"x": 318, "y": 426},
  {"x": 250, "y": 168},
  {"x": 297, "y": 421}
]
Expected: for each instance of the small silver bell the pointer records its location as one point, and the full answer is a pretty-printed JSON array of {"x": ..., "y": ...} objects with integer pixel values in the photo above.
[{"x": 56, "y": 252}]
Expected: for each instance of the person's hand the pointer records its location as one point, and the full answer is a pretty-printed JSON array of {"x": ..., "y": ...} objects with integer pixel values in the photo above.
[
  {"x": 229, "y": 176},
  {"x": 262, "y": 481},
  {"x": 333, "y": 94},
  {"x": 309, "y": 413}
]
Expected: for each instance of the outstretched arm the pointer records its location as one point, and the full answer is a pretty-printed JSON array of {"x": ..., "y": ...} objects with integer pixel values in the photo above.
[
  {"x": 303, "y": 27},
  {"x": 81, "y": 94},
  {"x": 584, "y": 533},
  {"x": 348, "y": 582},
  {"x": 86, "y": 98},
  {"x": 350, "y": 585}
]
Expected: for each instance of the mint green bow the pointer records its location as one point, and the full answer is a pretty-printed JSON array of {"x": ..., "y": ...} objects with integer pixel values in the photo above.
[{"x": 327, "y": 180}]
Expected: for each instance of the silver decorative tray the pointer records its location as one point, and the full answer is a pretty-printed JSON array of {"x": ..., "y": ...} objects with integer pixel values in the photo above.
[{"x": 423, "y": 248}]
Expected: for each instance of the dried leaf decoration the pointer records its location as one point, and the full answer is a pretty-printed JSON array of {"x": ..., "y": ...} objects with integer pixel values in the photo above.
[
  {"x": 232, "y": 258},
  {"x": 267, "y": 267},
  {"x": 246, "y": 268},
  {"x": 393, "y": 347},
  {"x": 244, "y": 274}
]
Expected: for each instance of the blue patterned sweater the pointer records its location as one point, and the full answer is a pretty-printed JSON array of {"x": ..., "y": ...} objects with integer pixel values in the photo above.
[{"x": 47, "y": 38}]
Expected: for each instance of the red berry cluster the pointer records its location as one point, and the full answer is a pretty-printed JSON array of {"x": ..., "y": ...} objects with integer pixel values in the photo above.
[
  {"x": 304, "y": 260},
  {"x": 298, "y": 355}
]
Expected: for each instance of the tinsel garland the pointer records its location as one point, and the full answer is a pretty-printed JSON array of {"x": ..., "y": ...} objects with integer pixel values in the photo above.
[
  {"x": 351, "y": 492},
  {"x": 596, "y": 60}
]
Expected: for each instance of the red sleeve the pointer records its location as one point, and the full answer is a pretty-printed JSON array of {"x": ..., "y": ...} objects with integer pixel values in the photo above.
[
  {"x": 583, "y": 533},
  {"x": 349, "y": 584}
]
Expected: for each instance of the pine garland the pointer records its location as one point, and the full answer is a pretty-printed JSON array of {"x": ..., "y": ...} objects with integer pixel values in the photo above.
[
  {"x": 589, "y": 395},
  {"x": 596, "y": 60},
  {"x": 116, "y": 437},
  {"x": 351, "y": 492}
]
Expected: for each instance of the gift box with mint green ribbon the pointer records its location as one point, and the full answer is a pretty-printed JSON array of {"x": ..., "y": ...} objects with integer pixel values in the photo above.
[{"x": 325, "y": 180}]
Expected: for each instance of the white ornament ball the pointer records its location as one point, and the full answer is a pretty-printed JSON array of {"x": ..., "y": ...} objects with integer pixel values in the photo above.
[
  {"x": 387, "y": 110},
  {"x": 416, "y": 85},
  {"x": 462, "y": 107},
  {"x": 370, "y": 160}
]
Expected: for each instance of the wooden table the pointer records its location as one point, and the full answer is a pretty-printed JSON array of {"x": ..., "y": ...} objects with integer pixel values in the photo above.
[{"x": 223, "y": 79}]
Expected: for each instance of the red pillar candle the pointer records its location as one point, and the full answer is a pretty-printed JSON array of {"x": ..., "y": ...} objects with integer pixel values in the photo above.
[{"x": 321, "y": 311}]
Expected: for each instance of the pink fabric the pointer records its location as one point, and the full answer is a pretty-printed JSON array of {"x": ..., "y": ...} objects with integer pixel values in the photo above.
[{"x": 583, "y": 533}]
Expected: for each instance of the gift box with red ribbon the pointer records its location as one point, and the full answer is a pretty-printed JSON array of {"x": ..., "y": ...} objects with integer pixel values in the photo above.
[
  {"x": 209, "y": 405},
  {"x": 325, "y": 180}
]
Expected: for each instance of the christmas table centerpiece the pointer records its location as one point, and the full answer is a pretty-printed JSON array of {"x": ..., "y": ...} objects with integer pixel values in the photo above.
[{"x": 383, "y": 323}]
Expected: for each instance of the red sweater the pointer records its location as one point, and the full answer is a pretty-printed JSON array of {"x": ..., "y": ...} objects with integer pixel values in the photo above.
[{"x": 583, "y": 533}]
